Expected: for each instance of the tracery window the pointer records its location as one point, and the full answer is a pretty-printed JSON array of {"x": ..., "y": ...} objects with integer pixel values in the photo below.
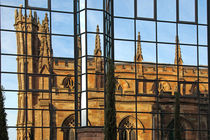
[
  {"x": 126, "y": 134},
  {"x": 68, "y": 82},
  {"x": 119, "y": 87},
  {"x": 164, "y": 88},
  {"x": 127, "y": 131},
  {"x": 68, "y": 128}
]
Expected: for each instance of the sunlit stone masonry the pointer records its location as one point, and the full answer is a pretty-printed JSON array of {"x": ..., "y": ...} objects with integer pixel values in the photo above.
[{"x": 145, "y": 121}]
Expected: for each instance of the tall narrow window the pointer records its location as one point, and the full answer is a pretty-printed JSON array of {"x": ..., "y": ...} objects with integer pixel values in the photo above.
[
  {"x": 71, "y": 134},
  {"x": 123, "y": 135},
  {"x": 127, "y": 129},
  {"x": 68, "y": 134},
  {"x": 132, "y": 135},
  {"x": 67, "y": 128}
]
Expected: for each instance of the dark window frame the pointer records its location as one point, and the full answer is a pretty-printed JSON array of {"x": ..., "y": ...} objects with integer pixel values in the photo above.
[
  {"x": 154, "y": 18},
  {"x": 183, "y": 21},
  {"x": 39, "y": 8}
]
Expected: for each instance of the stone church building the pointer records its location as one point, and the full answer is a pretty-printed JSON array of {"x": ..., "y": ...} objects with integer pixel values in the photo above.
[{"x": 142, "y": 115}]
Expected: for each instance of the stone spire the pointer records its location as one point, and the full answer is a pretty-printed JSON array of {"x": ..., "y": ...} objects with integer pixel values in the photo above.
[
  {"x": 35, "y": 15},
  {"x": 16, "y": 16},
  {"x": 44, "y": 37},
  {"x": 30, "y": 13},
  {"x": 46, "y": 18},
  {"x": 46, "y": 51},
  {"x": 20, "y": 12},
  {"x": 98, "y": 60},
  {"x": 97, "y": 51},
  {"x": 178, "y": 54},
  {"x": 45, "y": 24},
  {"x": 139, "y": 56}
]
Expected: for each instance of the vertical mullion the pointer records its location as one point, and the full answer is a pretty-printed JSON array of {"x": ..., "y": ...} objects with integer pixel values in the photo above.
[
  {"x": 26, "y": 74},
  {"x": 155, "y": 9},
  {"x": 196, "y": 11},
  {"x": 104, "y": 37},
  {"x": 136, "y": 77},
  {"x": 177, "y": 11},
  {"x": 177, "y": 34},
  {"x": 108, "y": 41},
  {"x": 157, "y": 76},
  {"x": 0, "y": 49},
  {"x": 208, "y": 31},
  {"x": 112, "y": 27},
  {"x": 26, "y": 3},
  {"x": 177, "y": 57},
  {"x": 75, "y": 67},
  {"x": 197, "y": 83},
  {"x": 50, "y": 77},
  {"x": 112, "y": 43},
  {"x": 79, "y": 52},
  {"x": 136, "y": 100},
  {"x": 86, "y": 75},
  {"x": 135, "y": 9}
]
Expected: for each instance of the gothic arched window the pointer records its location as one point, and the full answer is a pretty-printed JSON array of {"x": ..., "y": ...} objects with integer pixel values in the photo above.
[
  {"x": 127, "y": 131},
  {"x": 68, "y": 128},
  {"x": 164, "y": 88},
  {"x": 68, "y": 82}
]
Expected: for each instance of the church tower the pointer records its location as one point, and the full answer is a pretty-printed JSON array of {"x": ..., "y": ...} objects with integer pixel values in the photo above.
[
  {"x": 27, "y": 46},
  {"x": 33, "y": 57},
  {"x": 98, "y": 61}
]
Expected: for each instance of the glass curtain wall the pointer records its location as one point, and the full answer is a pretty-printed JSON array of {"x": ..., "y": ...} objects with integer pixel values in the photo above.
[
  {"x": 37, "y": 68},
  {"x": 160, "y": 49},
  {"x": 90, "y": 51},
  {"x": 54, "y": 62}
]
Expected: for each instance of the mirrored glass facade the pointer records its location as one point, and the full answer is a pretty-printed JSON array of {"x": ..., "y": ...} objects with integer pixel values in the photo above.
[{"x": 55, "y": 62}]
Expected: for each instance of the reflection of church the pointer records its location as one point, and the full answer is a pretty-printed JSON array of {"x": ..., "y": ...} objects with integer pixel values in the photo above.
[{"x": 146, "y": 119}]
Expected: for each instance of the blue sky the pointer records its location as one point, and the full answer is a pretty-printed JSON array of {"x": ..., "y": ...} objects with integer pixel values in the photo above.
[{"x": 124, "y": 50}]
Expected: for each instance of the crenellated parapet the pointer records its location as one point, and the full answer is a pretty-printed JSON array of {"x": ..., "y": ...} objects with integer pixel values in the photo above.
[
  {"x": 63, "y": 63},
  {"x": 165, "y": 70}
]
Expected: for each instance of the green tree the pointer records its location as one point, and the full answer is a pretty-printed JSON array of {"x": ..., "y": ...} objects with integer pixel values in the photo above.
[
  {"x": 110, "y": 129},
  {"x": 177, "y": 125},
  {"x": 3, "y": 123}
]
